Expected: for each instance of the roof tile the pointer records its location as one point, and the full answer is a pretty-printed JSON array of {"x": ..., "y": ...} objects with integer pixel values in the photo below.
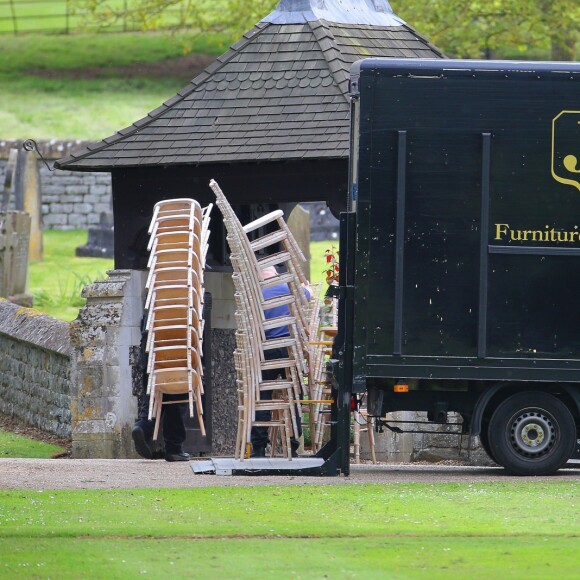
[{"x": 278, "y": 93}]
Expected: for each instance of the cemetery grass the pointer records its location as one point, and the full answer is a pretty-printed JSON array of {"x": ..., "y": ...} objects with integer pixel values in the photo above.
[
  {"x": 56, "y": 283},
  {"x": 508, "y": 530},
  {"x": 89, "y": 86}
]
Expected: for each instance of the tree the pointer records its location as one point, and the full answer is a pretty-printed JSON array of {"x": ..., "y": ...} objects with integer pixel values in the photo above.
[
  {"x": 230, "y": 17},
  {"x": 481, "y": 28},
  {"x": 461, "y": 28}
]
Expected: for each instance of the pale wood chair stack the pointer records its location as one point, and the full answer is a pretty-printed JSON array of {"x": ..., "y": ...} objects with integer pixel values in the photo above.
[
  {"x": 321, "y": 391},
  {"x": 249, "y": 257},
  {"x": 179, "y": 234}
]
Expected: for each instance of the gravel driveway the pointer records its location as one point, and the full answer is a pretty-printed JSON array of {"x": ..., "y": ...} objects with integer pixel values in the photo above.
[{"x": 41, "y": 474}]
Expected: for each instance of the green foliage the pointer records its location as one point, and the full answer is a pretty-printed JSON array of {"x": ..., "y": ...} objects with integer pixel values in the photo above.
[
  {"x": 479, "y": 530},
  {"x": 229, "y": 17},
  {"x": 318, "y": 264},
  {"x": 69, "y": 291},
  {"x": 13, "y": 445},
  {"x": 488, "y": 28}
]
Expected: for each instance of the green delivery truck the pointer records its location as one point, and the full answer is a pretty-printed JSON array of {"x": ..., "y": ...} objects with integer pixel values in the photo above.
[{"x": 460, "y": 254}]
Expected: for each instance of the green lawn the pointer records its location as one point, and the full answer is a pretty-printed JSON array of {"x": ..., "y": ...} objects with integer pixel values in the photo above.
[
  {"x": 56, "y": 282},
  {"x": 78, "y": 109},
  {"x": 484, "y": 530},
  {"x": 12, "y": 445},
  {"x": 70, "y": 102}
]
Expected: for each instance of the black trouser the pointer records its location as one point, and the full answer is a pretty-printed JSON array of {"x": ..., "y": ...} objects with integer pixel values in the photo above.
[
  {"x": 259, "y": 435},
  {"x": 173, "y": 417}
]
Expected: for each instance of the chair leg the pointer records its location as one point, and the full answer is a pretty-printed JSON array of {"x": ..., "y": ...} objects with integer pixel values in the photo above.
[
  {"x": 356, "y": 437},
  {"x": 371, "y": 434},
  {"x": 158, "y": 405}
]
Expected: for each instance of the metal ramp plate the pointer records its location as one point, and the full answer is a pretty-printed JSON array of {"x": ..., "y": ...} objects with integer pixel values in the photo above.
[{"x": 259, "y": 466}]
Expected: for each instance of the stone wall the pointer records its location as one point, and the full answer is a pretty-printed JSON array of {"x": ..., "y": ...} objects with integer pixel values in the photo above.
[
  {"x": 35, "y": 369},
  {"x": 70, "y": 199}
]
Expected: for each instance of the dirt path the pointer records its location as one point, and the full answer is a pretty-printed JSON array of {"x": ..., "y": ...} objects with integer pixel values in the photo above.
[{"x": 41, "y": 474}]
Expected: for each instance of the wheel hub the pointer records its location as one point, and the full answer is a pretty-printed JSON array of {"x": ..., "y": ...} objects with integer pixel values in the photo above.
[{"x": 532, "y": 433}]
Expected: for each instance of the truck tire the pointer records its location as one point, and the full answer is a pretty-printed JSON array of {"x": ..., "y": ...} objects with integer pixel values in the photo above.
[{"x": 532, "y": 433}]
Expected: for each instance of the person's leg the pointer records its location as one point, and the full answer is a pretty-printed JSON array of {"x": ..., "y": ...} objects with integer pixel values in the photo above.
[
  {"x": 174, "y": 429},
  {"x": 142, "y": 432},
  {"x": 294, "y": 442},
  {"x": 259, "y": 435}
]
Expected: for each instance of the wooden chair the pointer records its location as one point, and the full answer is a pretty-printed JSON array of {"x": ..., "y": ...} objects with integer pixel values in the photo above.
[{"x": 253, "y": 325}]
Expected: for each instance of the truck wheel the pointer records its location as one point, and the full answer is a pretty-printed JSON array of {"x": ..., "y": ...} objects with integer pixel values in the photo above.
[{"x": 532, "y": 433}]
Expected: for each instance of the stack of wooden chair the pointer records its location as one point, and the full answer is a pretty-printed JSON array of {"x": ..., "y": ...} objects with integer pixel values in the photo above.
[
  {"x": 322, "y": 334},
  {"x": 252, "y": 251},
  {"x": 179, "y": 234}
]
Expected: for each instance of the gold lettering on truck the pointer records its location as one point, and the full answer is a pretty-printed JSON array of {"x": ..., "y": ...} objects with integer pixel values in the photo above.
[
  {"x": 505, "y": 233},
  {"x": 566, "y": 148}
]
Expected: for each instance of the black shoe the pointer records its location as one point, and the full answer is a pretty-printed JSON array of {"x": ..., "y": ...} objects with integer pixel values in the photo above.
[
  {"x": 294, "y": 453},
  {"x": 180, "y": 456},
  {"x": 259, "y": 452},
  {"x": 141, "y": 443}
]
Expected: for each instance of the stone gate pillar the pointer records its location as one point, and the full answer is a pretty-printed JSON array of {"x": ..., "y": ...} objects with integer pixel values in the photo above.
[{"x": 105, "y": 340}]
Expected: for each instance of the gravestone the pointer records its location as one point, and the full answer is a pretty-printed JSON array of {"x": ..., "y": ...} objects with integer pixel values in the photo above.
[
  {"x": 299, "y": 224},
  {"x": 28, "y": 199},
  {"x": 14, "y": 240},
  {"x": 9, "y": 179},
  {"x": 101, "y": 240}
]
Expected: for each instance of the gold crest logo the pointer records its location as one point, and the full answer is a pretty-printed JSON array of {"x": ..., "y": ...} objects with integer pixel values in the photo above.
[{"x": 566, "y": 148}]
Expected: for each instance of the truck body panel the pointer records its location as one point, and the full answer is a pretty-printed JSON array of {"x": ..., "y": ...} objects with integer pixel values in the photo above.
[
  {"x": 466, "y": 187},
  {"x": 460, "y": 252}
]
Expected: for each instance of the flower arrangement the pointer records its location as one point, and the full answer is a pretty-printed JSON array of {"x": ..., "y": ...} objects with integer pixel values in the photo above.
[{"x": 332, "y": 268}]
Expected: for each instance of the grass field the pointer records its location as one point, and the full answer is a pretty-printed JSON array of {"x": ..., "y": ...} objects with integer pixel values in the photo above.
[
  {"x": 78, "y": 87},
  {"x": 503, "y": 530}
]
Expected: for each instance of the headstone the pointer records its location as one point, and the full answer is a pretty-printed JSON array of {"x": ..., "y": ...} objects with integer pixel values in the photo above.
[
  {"x": 14, "y": 240},
  {"x": 28, "y": 199},
  {"x": 299, "y": 224},
  {"x": 101, "y": 241},
  {"x": 9, "y": 180}
]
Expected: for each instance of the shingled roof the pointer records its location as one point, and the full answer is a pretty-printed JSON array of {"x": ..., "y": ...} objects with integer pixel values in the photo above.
[{"x": 280, "y": 93}]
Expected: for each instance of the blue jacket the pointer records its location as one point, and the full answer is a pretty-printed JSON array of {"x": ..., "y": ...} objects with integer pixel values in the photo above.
[{"x": 279, "y": 290}]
